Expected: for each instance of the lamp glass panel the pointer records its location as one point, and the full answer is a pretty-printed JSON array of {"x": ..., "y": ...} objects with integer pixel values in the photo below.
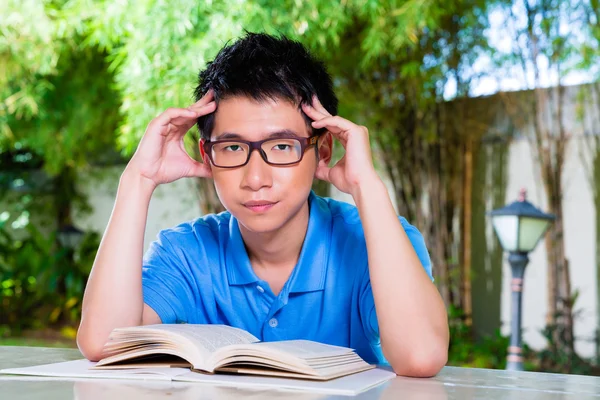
[
  {"x": 532, "y": 230},
  {"x": 70, "y": 240},
  {"x": 62, "y": 238},
  {"x": 76, "y": 239},
  {"x": 506, "y": 227}
]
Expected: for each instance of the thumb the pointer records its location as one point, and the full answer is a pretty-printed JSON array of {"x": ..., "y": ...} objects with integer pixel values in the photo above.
[
  {"x": 199, "y": 170},
  {"x": 322, "y": 171}
]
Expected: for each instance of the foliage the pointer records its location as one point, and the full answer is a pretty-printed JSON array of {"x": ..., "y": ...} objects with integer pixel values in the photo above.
[
  {"x": 465, "y": 351},
  {"x": 37, "y": 342},
  {"x": 491, "y": 351},
  {"x": 56, "y": 95},
  {"x": 40, "y": 285},
  {"x": 58, "y": 112},
  {"x": 554, "y": 358},
  {"x": 155, "y": 49},
  {"x": 588, "y": 51}
]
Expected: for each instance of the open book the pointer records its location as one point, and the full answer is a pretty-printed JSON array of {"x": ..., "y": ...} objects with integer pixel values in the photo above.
[{"x": 221, "y": 348}]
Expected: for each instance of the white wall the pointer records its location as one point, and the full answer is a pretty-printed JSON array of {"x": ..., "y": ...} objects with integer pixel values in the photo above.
[{"x": 171, "y": 204}]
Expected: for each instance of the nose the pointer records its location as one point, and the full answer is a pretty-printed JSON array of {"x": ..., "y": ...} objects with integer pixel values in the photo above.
[{"x": 257, "y": 173}]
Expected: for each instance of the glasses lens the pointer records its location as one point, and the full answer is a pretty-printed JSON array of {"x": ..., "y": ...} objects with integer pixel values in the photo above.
[
  {"x": 229, "y": 154},
  {"x": 282, "y": 151}
]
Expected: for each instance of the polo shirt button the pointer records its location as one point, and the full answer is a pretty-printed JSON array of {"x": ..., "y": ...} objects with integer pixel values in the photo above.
[
  {"x": 273, "y": 322},
  {"x": 260, "y": 289}
]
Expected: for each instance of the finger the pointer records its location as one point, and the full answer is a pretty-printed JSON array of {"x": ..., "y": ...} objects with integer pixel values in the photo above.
[
  {"x": 207, "y": 98},
  {"x": 335, "y": 122},
  {"x": 312, "y": 112},
  {"x": 315, "y": 110},
  {"x": 171, "y": 114},
  {"x": 338, "y": 126},
  {"x": 204, "y": 109},
  {"x": 184, "y": 117},
  {"x": 319, "y": 107}
]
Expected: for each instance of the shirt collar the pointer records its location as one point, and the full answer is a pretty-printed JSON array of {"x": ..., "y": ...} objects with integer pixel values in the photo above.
[
  {"x": 309, "y": 273},
  {"x": 239, "y": 269}
]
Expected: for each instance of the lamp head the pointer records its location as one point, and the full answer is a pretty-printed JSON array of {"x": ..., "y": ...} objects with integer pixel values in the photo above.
[{"x": 520, "y": 225}]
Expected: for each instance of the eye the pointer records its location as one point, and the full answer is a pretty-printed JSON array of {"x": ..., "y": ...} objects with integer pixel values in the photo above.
[
  {"x": 233, "y": 147},
  {"x": 282, "y": 147}
]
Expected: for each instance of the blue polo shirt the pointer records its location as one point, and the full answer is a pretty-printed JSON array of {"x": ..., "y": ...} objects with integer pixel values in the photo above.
[{"x": 199, "y": 273}]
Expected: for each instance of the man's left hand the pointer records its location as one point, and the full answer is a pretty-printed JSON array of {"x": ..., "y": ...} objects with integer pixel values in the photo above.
[{"x": 355, "y": 168}]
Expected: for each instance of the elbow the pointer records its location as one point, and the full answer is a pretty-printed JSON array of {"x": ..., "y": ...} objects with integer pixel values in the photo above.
[
  {"x": 89, "y": 345},
  {"x": 93, "y": 333},
  {"x": 421, "y": 364}
]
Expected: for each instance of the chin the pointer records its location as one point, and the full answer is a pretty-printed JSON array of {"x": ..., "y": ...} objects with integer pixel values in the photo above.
[{"x": 260, "y": 224}]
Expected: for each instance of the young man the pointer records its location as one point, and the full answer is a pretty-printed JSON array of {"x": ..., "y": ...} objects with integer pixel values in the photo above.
[{"x": 281, "y": 263}]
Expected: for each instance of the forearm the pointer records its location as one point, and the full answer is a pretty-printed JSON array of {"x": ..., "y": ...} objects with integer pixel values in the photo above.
[
  {"x": 113, "y": 295},
  {"x": 411, "y": 314}
]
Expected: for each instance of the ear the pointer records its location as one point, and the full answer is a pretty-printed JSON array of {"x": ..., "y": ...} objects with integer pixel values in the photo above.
[
  {"x": 325, "y": 147},
  {"x": 205, "y": 158}
]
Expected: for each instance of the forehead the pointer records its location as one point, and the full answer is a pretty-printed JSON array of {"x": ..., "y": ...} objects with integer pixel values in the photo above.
[{"x": 255, "y": 120}]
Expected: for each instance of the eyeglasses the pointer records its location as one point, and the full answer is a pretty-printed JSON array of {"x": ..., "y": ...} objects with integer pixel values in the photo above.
[{"x": 279, "y": 151}]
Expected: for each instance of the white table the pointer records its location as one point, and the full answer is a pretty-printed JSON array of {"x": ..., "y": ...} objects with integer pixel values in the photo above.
[{"x": 451, "y": 383}]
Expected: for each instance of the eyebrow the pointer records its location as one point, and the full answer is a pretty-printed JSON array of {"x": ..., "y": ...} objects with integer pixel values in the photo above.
[{"x": 284, "y": 133}]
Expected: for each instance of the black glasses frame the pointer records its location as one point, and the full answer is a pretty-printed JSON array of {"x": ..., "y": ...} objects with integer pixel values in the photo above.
[{"x": 304, "y": 143}]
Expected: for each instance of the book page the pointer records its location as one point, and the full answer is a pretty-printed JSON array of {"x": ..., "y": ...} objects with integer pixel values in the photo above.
[
  {"x": 190, "y": 342},
  {"x": 322, "y": 376},
  {"x": 84, "y": 369},
  {"x": 213, "y": 337},
  {"x": 304, "y": 349},
  {"x": 298, "y": 355}
]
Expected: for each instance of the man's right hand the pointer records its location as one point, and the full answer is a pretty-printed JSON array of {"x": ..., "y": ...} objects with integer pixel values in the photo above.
[{"x": 161, "y": 156}]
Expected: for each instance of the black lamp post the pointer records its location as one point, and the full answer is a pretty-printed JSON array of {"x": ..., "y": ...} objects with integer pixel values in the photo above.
[
  {"x": 519, "y": 226},
  {"x": 69, "y": 237}
]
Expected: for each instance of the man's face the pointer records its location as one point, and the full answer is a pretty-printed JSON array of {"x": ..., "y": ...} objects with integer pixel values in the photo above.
[{"x": 262, "y": 197}]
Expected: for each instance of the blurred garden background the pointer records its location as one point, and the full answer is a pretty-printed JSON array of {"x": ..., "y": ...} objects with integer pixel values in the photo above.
[{"x": 467, "y": 101}]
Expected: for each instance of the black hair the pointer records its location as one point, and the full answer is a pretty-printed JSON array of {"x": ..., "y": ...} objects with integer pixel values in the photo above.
[{"x": 261, "y": 67}]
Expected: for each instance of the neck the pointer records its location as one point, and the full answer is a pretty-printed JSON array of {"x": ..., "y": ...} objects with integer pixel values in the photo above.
[{"x": 278, "y": 249}]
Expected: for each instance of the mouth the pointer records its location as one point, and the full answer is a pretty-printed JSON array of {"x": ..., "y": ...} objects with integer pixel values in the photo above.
[{"x": 259, "y": 206}]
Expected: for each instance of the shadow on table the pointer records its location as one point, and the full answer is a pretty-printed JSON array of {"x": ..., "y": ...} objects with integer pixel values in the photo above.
[{"x": 398, "y": 388}]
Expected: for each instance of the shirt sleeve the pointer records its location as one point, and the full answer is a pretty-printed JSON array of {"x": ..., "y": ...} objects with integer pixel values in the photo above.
[
  {"x": 367, "y": 302},
  {"x": 164, "y": 281}
]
